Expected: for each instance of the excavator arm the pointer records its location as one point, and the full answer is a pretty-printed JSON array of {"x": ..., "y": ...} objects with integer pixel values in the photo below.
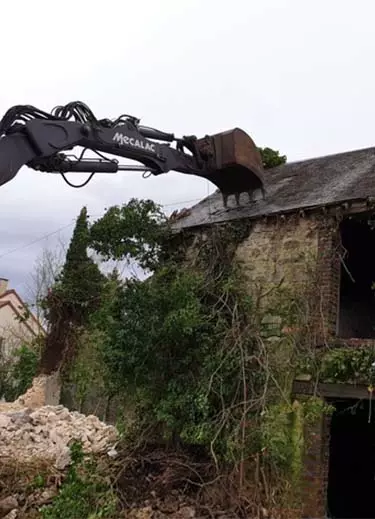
[{"x": 39, "y": 140}]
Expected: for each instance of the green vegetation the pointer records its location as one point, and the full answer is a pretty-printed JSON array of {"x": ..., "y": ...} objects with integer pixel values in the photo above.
[
  {"x": 188, "y": 351},
  {"x": 75, "y": 295},
  {"x": 271, "y": 158},
  {"x": 85, "y": 492},
  {"x": 341, "y": 364},
  {"x": 17, "y": 372},
  {"x": 78, "y": 287}
]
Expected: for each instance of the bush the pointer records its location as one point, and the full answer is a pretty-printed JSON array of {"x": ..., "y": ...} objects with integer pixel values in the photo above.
[
  {"x": 84, "y": 494},
  {"x": 17, "y": 374}
]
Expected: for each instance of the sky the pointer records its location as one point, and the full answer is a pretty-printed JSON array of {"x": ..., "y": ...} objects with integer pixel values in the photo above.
[{"x": 298, "y": 76}]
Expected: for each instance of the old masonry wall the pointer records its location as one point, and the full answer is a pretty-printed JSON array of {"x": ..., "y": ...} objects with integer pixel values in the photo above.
[{"x": 288, "y": 252}]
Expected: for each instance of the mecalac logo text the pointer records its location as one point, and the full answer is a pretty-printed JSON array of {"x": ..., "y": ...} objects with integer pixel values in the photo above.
[{"x": 134, "y": 143}]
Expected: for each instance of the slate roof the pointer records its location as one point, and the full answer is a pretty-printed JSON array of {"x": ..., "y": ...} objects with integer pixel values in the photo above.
[{"x": 316, "y": 182}]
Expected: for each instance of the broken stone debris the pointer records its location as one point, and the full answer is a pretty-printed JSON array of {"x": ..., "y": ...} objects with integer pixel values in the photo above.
[
  {"x": 48, "y": 432},
  {"x": 34, "y": 426},
  {"x": 7, "y": 505},
  {"x": 13, "y": 514}
]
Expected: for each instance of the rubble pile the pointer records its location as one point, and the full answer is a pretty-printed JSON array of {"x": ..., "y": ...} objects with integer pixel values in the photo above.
[
  {"x": 31, "y": 428},
  {"x": 48, "y": 432},
  {"x": 36, "y": 436}
]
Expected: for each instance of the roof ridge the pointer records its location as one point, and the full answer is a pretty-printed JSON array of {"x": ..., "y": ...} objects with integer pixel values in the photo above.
[
  {"x": 16, "y": 311},
  {"x": 31, "y": 314},
  {"x": 326, "y": 156}
]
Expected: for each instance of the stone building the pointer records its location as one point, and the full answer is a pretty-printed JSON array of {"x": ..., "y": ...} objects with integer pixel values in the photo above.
[{"x": 322, "y": 209}]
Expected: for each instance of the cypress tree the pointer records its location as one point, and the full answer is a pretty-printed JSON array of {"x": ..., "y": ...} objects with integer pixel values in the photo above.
[
  {"x": 74, "y": 297},
  {"x": 81, "y": 281}
]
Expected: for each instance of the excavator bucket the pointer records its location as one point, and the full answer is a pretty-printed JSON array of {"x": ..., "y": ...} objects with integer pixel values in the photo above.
[{"x": 235, "y": 162}]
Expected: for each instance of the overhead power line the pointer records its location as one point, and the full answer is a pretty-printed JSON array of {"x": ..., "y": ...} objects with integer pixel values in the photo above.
[
  {"x": 25, "y": 245},
  {"x": 45, "y": 236}
]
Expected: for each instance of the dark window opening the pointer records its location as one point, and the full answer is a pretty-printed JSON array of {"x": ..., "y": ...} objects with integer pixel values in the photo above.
[
  {"x": 357, "y": 296},
  {"x": 351, "y": 475}
]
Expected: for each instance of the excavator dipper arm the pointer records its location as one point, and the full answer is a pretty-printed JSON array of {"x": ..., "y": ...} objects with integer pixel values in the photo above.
[{"x": 36, "y": 139}]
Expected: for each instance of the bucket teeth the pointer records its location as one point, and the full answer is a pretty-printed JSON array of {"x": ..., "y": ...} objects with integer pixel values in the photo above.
[
  {"x": 226, "y": 196},
  {"x": 238, "y": 197}
]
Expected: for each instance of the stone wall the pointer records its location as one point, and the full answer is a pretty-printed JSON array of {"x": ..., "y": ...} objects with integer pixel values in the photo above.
[
  {"x": 45, "y": 390},
  {"x": 288, "y": 252},
  {"x": 279, "y": 250}
]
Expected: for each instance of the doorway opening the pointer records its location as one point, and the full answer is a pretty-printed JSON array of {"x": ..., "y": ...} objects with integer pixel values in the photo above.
[
  {"x": 351, "y": 475},
  {"x": 357, "y": 296}
]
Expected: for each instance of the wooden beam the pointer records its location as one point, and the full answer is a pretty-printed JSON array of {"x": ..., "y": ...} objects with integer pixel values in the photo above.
[{"x": 330, "y": 390}]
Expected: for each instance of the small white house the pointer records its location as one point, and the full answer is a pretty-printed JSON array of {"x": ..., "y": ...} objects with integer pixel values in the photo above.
[{"x": 17, "y": 324}]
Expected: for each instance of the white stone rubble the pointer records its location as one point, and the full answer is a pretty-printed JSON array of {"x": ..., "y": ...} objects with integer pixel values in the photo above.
[{"x": 28, "y": 431}]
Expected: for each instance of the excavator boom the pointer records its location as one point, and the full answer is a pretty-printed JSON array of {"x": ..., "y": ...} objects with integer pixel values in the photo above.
[{"x": 39, "y": 140}]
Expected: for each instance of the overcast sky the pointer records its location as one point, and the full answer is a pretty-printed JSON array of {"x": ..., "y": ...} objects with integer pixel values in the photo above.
[{"x": 298, "y": 76}]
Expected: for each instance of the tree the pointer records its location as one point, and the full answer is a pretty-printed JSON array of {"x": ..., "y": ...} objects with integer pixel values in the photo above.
[
  {"x": 80, "y": 283},
  {"x": 47, "y": 267},
  {"x": 133, "y": 232},
  {"x": 171, "y": 342},
  {"x": 74, "y": 297},
  {"x": 271, "y": 158}
]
